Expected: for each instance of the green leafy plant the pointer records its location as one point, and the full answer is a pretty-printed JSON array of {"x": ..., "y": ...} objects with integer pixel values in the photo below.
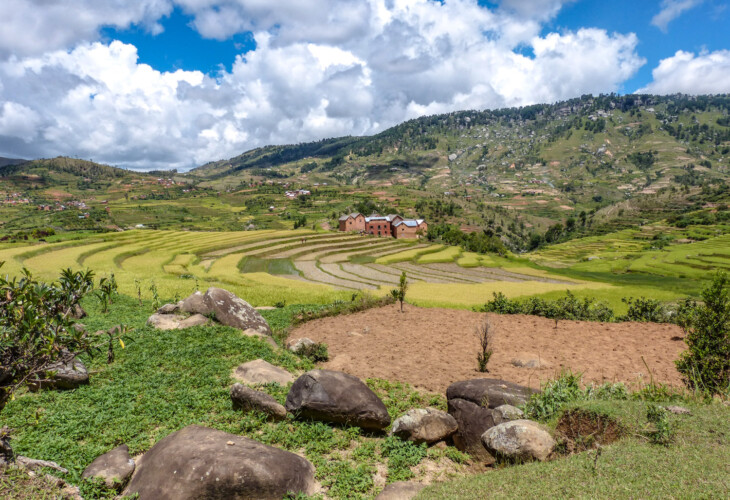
[
  {"x": 662, "y": 432},
  {"x": 645, "y": 310},
  {"x": 138, "y": 288},
  {"x": 485, "y": 333},
  {"x": 36, "y": 328},
  {"x": 155, "y": 296},
  {"x": 554, "y": 396},
  {"x": 315, "y": 352},
  {"x": 105, "y": 292},
  {"x": 399, "y": 294},
  {"x": 705, "y": 364},
  {"x": 401, "y": 455}
]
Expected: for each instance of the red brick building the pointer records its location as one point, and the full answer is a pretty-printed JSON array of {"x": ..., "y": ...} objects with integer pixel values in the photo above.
[{"x": 392, "y": 225}]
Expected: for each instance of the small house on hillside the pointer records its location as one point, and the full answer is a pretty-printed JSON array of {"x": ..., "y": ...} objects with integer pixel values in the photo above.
[{"x": 392, "y": 225}]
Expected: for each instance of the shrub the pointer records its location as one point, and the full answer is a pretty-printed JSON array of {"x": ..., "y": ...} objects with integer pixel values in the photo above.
[
  {"x": 315, "y": 352},
  {"x": 554, "y": 396},
  {"x": 705, "y": 364},
  {"x": 399, "y": 293},
  {"x": 567, "y": 307},
  {"x": 659, "y": 417},
  {"x": 36, "y": 328},
  {"x": 485, "y": 334},
  {"x": 645, "y": 310}
]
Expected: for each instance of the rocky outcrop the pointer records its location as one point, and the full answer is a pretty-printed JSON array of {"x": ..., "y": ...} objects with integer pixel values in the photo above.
[
  {"x": 235, "y": 312},
  {"x": 259, "y": 371},
  {"x": 401, "y": 490},
  {"x": 247, "y": 399},
  {"x": 195, "y": 304},
  {"x": 198, "y": 462},
  {"x": 472, "y": 421},
  {"x": 519, "y": 440},
  {"x": 505, "y": 413},
  {"x": 337, "y": 397},
  {"x": 114, "y": 468},
  {"x": 424, "y": 425},
  {"x": 489, "y": 392}
]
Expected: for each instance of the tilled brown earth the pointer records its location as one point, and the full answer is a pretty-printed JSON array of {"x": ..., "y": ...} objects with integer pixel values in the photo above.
[{"x": 431, "y": 348}]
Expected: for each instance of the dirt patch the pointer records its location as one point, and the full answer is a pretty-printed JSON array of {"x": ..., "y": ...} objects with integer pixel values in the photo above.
[
  {"x": 582, "y": 430},
  {"x": 432, "y": 348}
]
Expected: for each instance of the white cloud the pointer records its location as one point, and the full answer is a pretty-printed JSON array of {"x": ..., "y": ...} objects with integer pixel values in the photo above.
[
  {"x": 671, "y": 10},
  {"x": 685, "y": 72},
  {"x": 386, "y": 61}
]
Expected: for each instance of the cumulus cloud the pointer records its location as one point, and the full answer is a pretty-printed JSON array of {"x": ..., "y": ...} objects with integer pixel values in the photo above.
[
  {"x": 685, "y": 72},
  {"x": 671, "y": 10},
  {"x": 384, "y": 61}
]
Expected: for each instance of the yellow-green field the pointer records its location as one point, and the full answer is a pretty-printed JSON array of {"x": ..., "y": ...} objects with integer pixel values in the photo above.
[{"x": 268, "y": 267}]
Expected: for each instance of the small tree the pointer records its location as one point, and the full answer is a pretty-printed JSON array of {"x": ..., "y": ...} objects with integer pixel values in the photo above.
[
  {"x": 485, "y": 334},
  {"x": 36, "y": 327},
  {"x": 399, "y": 293},
  {"x": 706, "y": 362}
]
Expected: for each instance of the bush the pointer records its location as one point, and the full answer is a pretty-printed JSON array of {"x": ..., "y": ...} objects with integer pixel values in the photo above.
[
  {"x": 705, "y": 364},
  {"x": 315, "y": 352},
  {"x": 645, "y": 310},
  {"x": 568, "y": 307},
  {"x": 554, "y": 396},
  {"x": 36, "y": 327}
]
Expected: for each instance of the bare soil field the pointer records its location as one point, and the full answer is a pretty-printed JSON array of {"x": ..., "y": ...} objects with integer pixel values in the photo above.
[{"x": 431, "y": 348}]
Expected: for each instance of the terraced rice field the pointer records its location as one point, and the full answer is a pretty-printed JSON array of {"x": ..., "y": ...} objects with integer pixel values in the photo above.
[{"x": 267, "y": 267}]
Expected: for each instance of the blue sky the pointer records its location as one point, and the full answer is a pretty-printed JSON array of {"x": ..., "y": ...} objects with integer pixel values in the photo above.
[{"x": 177, "y": 83}]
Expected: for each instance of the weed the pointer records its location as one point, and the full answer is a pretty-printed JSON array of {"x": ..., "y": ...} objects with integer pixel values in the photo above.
[
  {"x": 659, "y": 417},
  {"x": 554, "y": 396},
  {"x": 316, "y": 352},
  {"x": 401, "y": 455}
]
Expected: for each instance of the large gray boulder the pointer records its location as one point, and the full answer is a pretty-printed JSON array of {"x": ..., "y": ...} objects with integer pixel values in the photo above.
[
  {"x": 235, "y": 312},
  {"x": 505, "y": 413},
  {"x": 201, "y": 463},
  {"x": 261, "y": 372},
  {"x": 336, "y": 397},
  {"x": 114, "y": 467},
  {"x": 519, "y": 440},
  {"x": 401, "y": 490},
  {"x": 489, "y": 392},
  {"x": 472, "y": 421},
  {"x": 424, "y": 425},
  {"x": 195, "y": 304},
  {"x": 249, "y": 399}
]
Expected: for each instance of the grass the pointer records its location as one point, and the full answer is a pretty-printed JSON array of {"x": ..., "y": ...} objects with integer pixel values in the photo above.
[
  {"x": 407, "y": 255},
  {"x": 694, "y": 465},
  {"x": 448, "y": 254}
]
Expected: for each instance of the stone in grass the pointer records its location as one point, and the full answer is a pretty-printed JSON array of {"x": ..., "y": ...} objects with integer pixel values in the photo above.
[
  {"x": 424, "y": 425},
  {"x": 401, "y": 490},
  {"x": 473, "y": 420},
  {"x": 489, "y": 392},
  {"x": 195, "y": 304},
  {"x": 235, "y": 312},
  {"x": 248, "y": 399},
  {"x": 114, "y": 467},
  {"x": 259, "y": 371},
  {"x": 169, "y": 309},
  {"x": 528, "y": 360},
  {"x": 505, "y": 413},
  {"x": 298, "y": 345},
  {"x": 337, "y": 397},
  {"x": 194, "y": 320},
  {"x": 198, "y": 462},
  {"x": 678, "y": 410},
  {"x": 519, "y": 441}
]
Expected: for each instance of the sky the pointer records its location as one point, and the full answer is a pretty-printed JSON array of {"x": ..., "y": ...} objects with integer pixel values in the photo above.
[{"x": 162, "y": 84}]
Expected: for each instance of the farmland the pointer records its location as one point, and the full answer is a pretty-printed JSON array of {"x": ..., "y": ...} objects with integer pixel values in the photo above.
[{"x": 269, "y": 267}]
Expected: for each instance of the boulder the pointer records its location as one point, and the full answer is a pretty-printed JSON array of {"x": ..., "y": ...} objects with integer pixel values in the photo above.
[
  {"x": 168, "y": 309},
  {"x": 259, "y": 371},
  {"x": 77, "y": 312},
  {"x": 165, "y": 321},
  {"x": 297, "y": 345},
  {"x": 194, "y": 320},
  {"x": 114, "y": 467},
  {"x": 527, "y": 360},
  {"x": 505, "y": 413},
  {"x": 195, "y": 304},
  {"x": 248, "y": 399},
  {"x": 198, "y": 462},
  {"x": 678, "y": 410},
  {"x": 519, "y": 440},
  {"x": 401, "y": 490},
  {"x": 67, "y": 373},
  {"x": 424, "y": 425},
  {"x": 336, "y": 397},
  {"x": 489, "y": 392},
  {"x": 472, "y": 420},
  {"x": 232, "y": 311}
]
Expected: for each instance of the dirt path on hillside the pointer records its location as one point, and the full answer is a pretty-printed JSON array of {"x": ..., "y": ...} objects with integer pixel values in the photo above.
[{"x": 431, "y": 348}]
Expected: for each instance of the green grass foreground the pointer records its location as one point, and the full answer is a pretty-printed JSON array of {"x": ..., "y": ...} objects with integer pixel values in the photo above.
[
  {"x": 163, "y": 381},
  {"x": 696, "y": 464}
]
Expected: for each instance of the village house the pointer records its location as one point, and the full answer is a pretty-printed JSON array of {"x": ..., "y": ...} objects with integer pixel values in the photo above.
[
  {"x": 297, "y": 193},
  {"x": 383, "y": 225}
]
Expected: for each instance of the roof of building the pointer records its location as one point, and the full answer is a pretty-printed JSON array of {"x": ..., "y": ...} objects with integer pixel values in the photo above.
[
  {"x": 353, "y": 215},
  {"x": 410, "y": 222}
]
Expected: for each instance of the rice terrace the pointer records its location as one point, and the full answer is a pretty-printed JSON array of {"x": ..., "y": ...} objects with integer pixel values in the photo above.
[{"x": 500, "y": 302}]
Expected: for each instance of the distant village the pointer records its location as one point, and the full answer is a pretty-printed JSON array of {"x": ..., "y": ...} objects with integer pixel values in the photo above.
[{"x": 384, "y": 225}]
